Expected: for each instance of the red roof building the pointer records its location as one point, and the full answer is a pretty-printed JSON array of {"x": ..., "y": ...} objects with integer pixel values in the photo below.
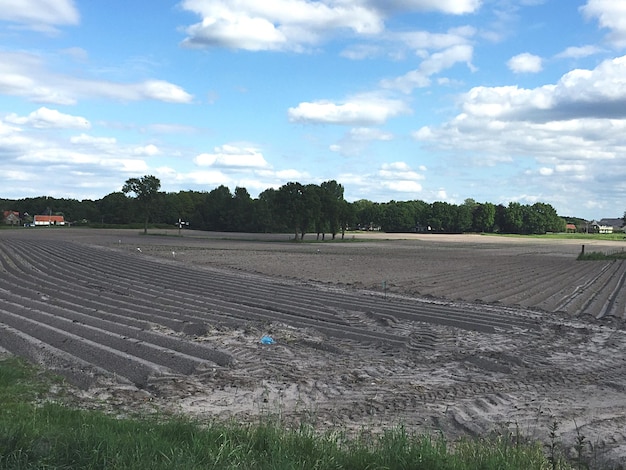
[
  {"x": 11, "y": 217},
  {"x": 49, "y": 220}
]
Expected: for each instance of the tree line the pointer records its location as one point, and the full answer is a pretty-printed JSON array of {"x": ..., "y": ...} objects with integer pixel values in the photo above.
[{"x": 294, "y": 207}]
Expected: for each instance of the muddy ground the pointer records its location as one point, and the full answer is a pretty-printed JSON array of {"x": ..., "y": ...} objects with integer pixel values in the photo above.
[{"x": 460, "y": 334}]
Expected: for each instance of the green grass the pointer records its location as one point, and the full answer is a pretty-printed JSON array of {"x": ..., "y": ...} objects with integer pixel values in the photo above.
[
  {"x": 601, "y": 256},
  {"x": 566, "y": 236},
  {"x": 37, "y": 434}
]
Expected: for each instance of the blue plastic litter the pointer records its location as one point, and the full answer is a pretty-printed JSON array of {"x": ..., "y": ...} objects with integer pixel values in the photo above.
[{"x": 267, "y": 340}]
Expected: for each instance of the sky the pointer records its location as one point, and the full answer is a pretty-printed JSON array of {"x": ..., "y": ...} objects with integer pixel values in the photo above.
[{"x": 436, "y": 100}]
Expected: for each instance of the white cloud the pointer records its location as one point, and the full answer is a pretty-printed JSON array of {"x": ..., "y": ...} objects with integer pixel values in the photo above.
[
  {"x": 27, "y": 75},
  {"x": 425, "y": 40},
  {"x": 205, "y": 178},
  {"x": 396, "y": 177},
  {"x": 90, "y": 140},
  {"x": 451, "y": 7},
  {"x": 600, "y": 92},
  {"x": 431, "y": 65},
  {"x": 45, "y": 118},
  {"x": 149, "y": 150},
  {"x": 368, "y": 134},
  {"x": 274, "y": 24},
  {"x": 399, "y": 172},
  {"x": 611, "y": 14},
  {"x": 362, "y": 51},
  {"x": 357, "y": 139},
  {"x": 578, "y": 52},
  {"x": 232, "y": 156},
  {"x": 39, "y": 13},
  {"x": 566, "y": 133},
  {"x": 298, "y": 24},
  {"x": 525, "y": 63},
  {"x": 291, "y": 175},
  {"x": 360, "y": 110}
]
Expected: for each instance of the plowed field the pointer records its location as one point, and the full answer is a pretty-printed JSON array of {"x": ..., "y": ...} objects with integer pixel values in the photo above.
[{"x": 455, "y": 334}]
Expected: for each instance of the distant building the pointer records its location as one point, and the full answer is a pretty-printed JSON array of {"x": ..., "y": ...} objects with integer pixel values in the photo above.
[
  {"x": 596, "y": 226},
  {"x": 48, "y": 220},
  {"x": 570, "y": 228},
  {"x": 11, "y": 217},
  {"x": 616, "y": 224}
]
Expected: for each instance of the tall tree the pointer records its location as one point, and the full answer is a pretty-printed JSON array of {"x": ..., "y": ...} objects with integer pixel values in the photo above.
[
  {"x": 514, "y": 218},
  {"x": 331, "y": 199},
  {"x": 146, "y": 190},
  {"x": 291, "y": 206},
  {"x": 484, "y": 217}
]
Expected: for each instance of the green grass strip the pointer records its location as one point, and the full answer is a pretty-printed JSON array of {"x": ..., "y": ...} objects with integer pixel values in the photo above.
[{"x": 38, "y": 434}]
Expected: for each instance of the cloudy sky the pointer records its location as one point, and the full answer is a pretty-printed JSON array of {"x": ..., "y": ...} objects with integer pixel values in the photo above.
[{"x": 437, "y": 100}]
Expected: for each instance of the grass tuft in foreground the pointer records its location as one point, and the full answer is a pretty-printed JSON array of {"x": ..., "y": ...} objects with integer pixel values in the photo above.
[
  {"x": 600, "y": 256},
  {"x": 39, "y": 434}
]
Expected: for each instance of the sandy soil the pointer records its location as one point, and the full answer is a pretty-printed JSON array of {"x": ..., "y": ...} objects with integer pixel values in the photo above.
[{"x": 460, "y": 334}]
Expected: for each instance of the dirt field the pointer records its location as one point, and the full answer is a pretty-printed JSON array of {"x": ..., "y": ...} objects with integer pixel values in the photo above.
[{"x": 457, "y": 334}]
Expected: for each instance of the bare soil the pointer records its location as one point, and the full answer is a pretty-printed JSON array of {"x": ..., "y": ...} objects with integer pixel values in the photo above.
[{"x": 459, "y": 334}]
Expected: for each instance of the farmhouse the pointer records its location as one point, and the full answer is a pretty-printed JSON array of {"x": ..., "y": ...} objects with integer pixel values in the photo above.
[
  {"x": 11, "y": 217},
  {"x": 616, "y": 224},
  {"x": 606, "y": 225},
  {"x": 49, "y": 220}
]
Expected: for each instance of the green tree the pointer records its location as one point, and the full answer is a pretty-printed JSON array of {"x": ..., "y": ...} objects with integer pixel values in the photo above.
[
  {"x": 442, "y": 217},
  {"x": 291, "y": 205},
  {"x": 368, "y": 214},
  {"x": 484, "y": 217},
  {"x": 312, "y": 209},
  {"x": 347, "y": 217},
  {"x": 146, "y": 190},
  {"x": 115, "y": 208},
  {"x": 331, "y": 199},
  {"x": 514, "y": 218},
  {"x": 269, "y": 219},
  {"x": 397, "y": 217},
  {"x": 243, "y": 219},
  {"x": 217, "y": 209},
  {"x": 465, "y": 215}
]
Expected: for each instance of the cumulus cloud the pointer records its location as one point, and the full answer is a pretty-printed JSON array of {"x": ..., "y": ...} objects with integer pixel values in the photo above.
[
  {"x": 578, "y": 52},
  {"x": 39, "y": 14},
  {"x": 611, "y": 15},
  {"x": 360, "y": 110},
  {"x": 395, "y": 177},
  {"x": 560, "y": 131},
  {"x": 600, "y": 92},
  {"x": 148, "y": 150},
  {"x": 45, "y": 118},
  {"x": 27, "y": 75},
  {"x": 453, "y": 7},
  {"x": 232, "y": 156},
  {"x": 399, "y": 177},
  {"x": 357, "y": 139},
  {"x": 276, "y": 24},
  {"x": 431, "y": 65},
  {"x": 93, "y": 141},
  {"x": 525, "y": 63},
  {"x": 297, "y": 24}
]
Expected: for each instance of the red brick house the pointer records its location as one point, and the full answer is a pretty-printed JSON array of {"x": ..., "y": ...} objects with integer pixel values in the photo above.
[{"x": 48, "y": 220}]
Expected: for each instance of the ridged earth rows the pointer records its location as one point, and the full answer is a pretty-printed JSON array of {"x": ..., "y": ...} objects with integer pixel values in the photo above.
[{"x": 187, "y": 333}]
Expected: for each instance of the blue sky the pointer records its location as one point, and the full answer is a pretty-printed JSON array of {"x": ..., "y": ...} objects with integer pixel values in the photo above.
[{"x": 437, "y": 100}]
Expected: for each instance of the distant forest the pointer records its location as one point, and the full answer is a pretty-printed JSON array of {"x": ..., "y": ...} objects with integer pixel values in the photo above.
[{"x": 296, "y": 208}]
